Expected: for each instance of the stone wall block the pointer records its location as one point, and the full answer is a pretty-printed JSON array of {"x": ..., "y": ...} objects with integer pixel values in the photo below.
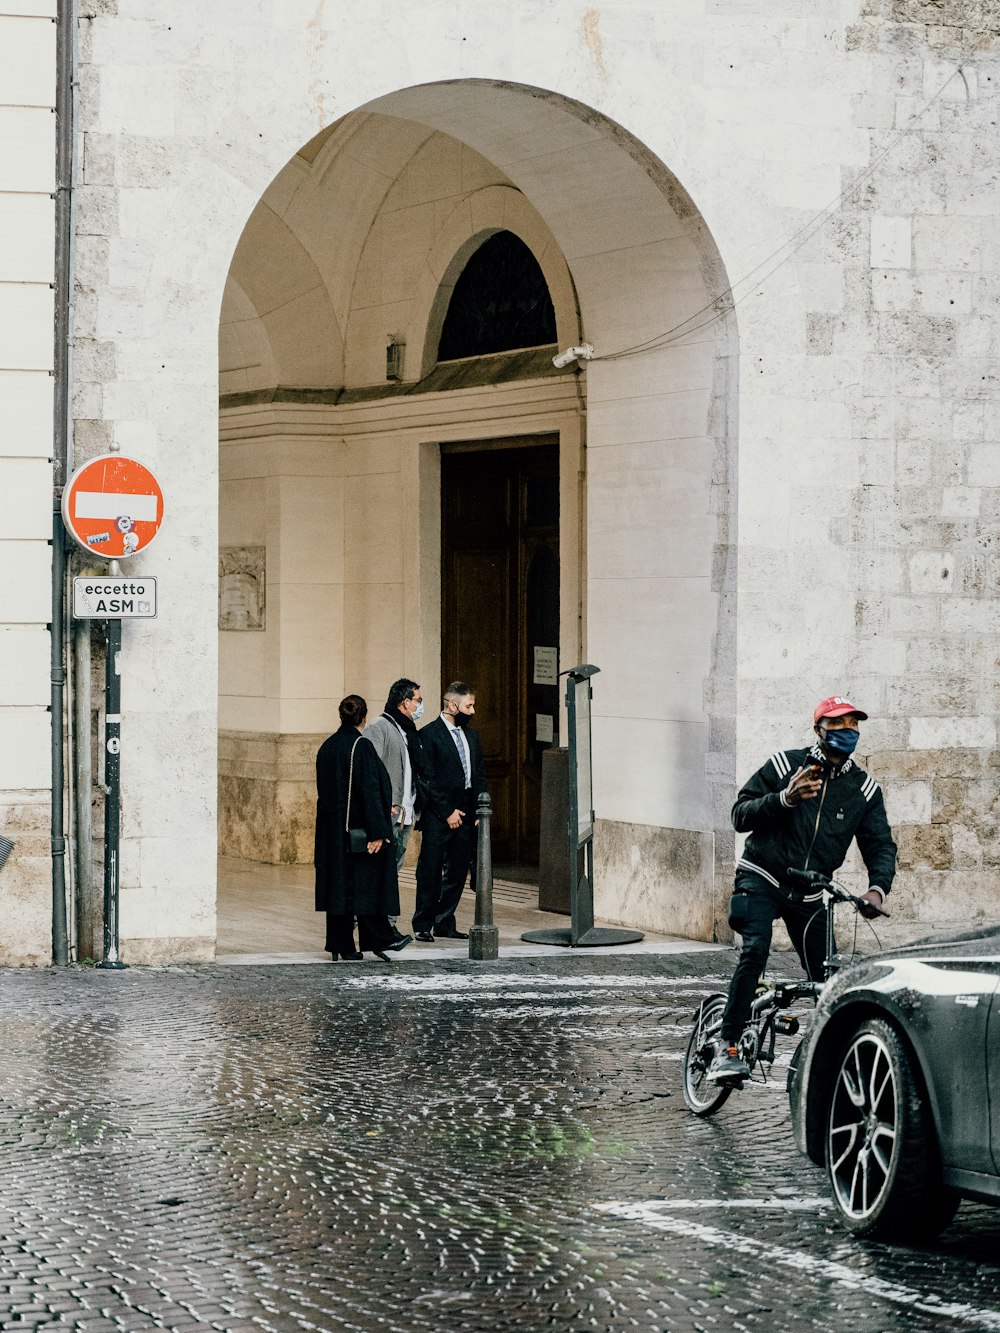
[
  {"x": 932, "y": 733},
  {"x": 908, "y": 803},
  {"x": 984, "y": 465},
  {"x": 961, "y": 502},
  {"x": 91, "y": 263},
  {"x": 99, "y": 160},
  {"x": 961, "y": 378},
  {"x": 948, "y": 800},
  {"x": 911, "y": 765},
  {"x": 969, "y": 615},
  {"x": 944, "y": 656},
  {"x": 966, "y": 849},
  {"x": 87, "y": 401},
  {"x": 891, "y": 242},
  {"x": 95, "y": 361},
  {"x": 96, "y": 211},
  {"x": 976, "y": 335},
  {"x": 91, "y": 439},
  {"x": 916, "y": 694},
  {"x": 913, "y": 334},
  {"x": 931, "y": 572},
  {"x": 916, "y": 467},
  {"x": 922, "y": 846},
  {"x": 979, "y": 576}
]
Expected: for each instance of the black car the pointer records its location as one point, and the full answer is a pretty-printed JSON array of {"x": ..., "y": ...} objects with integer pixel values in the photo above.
[{"x": 896, "y": 1086}]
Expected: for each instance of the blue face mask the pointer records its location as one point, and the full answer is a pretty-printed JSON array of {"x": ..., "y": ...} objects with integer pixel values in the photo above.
[
  {"x": 843, "y": 741},
  {"x": 418, "y": 712}
]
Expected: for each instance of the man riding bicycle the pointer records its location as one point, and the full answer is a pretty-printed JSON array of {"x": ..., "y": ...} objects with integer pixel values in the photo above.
[{"x": 801, "y": 810}]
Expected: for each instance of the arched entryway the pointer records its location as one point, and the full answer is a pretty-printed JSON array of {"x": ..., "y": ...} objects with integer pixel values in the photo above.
[{"x": 336, "y": 410}]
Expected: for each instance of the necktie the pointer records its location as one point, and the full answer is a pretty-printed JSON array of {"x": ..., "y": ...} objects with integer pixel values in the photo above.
[{"x": 457, "y": 737}]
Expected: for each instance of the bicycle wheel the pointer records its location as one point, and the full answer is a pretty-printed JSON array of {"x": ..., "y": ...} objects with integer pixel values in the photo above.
[{"x": 702, "y": 1096}]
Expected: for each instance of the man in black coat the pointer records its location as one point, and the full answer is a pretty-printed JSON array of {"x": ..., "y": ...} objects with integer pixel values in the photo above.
[
  {"x": 454, "y": 777},
  {"x": 802, "y": 810}
]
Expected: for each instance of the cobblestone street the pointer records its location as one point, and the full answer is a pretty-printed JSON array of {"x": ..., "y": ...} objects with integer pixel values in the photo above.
[{"x": 442, "y": 1147}]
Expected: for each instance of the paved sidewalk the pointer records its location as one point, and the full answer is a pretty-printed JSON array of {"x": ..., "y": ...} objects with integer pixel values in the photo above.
[{"x": 266, "y": 915}]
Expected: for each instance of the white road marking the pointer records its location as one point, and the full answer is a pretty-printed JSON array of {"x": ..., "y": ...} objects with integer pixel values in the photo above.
[
  {"x": 453, "y": 984},
  {"x": 653, "y": 1215},
  {"x": 792, "y": 1203}
]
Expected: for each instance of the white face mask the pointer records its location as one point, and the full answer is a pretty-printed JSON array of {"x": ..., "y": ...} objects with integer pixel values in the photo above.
[{"x": 418, "y": 712}]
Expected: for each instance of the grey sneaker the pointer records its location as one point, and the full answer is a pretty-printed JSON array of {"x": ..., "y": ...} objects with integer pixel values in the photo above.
[{"x": 728, "y": 1066}]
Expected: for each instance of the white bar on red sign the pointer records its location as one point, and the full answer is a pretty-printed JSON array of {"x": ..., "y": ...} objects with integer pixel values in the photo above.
[{"x": 106, "y": 504}]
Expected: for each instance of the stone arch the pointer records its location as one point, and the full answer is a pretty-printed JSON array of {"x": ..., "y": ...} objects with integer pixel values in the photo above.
[{"x": 373, "y": 223}]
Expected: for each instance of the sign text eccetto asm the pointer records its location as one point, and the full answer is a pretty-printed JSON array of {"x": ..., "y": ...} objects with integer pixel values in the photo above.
[{"x": 103, "y": 598}]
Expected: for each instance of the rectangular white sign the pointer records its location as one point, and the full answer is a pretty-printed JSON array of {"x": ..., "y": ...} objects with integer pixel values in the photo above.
[
  {"x": 546, "y": 666},
  {"x": 99, "y": 598},
  {"x": 106, "y": 504}
]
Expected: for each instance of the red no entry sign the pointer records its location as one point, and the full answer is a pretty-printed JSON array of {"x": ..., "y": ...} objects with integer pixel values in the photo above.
[{"x": 113, "y": 506}]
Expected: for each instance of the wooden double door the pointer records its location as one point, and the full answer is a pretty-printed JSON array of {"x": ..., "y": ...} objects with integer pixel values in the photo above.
[{"x": 500, "y": 617}]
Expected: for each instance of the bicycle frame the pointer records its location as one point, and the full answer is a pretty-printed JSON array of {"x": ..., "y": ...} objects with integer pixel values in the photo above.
[{"x": 757, "y": 1041}]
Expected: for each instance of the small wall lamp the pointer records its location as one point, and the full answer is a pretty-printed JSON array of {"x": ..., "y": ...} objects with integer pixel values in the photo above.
[{"x": 395, "y": 348}]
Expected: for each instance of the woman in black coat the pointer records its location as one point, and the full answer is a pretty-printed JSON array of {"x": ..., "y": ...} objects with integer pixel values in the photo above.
[{"x": 360, "y": 884}]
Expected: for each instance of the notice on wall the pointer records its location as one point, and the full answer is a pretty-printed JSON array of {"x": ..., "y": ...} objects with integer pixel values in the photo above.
[
  {"x": 544, "y": 727},
  {"x": 546, "y": 666}
]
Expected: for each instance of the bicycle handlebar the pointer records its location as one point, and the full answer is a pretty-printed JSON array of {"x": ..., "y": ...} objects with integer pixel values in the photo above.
[{"x": 812, "y": 879}]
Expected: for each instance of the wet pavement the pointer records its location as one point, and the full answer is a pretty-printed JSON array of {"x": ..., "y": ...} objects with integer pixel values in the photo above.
[{"x": 446, "y": 1146}]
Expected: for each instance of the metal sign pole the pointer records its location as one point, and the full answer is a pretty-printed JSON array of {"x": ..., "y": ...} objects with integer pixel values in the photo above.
[
  {"x": 113, "y": 508},
  {"x": 112, "y": 792}
]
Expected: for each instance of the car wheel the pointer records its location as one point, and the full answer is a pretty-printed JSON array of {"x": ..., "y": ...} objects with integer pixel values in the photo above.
[
  {"x": 881, "y": 1153},
  {"x": 701, "y": 1095}
]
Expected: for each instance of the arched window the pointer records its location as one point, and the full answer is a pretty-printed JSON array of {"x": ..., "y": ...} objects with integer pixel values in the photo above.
[{"x": 500, "y": 302}]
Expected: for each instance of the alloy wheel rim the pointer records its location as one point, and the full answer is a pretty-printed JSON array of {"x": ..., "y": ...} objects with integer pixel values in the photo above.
[{"x": 863, "y": 1127}]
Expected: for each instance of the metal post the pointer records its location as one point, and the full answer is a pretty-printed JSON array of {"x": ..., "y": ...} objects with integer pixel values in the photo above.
[
  {"x": 484, "y": 938},
  {"x": 112, "y": 791}
]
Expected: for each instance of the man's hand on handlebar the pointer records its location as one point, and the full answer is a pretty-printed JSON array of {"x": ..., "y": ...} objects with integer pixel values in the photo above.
[
  {"x": 805, "y": 784},
  {"x": 870, "y": 905}
]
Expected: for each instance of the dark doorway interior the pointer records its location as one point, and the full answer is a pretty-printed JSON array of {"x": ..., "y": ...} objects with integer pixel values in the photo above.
[{"x": 500, "y": 617}]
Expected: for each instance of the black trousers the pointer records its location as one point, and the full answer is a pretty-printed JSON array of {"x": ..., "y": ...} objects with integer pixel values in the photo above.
[
  {"x": 442, "y": 868},
  {"x": 753, "y": 910},
  {"x": 374, "y": 933}
]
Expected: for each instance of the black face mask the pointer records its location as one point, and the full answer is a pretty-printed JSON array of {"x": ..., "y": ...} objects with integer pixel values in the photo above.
[{"x": 460, "y": 719}]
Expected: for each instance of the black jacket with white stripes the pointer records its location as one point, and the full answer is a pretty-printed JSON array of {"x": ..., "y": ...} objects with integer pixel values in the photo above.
[{"x": 816, "y": 834}]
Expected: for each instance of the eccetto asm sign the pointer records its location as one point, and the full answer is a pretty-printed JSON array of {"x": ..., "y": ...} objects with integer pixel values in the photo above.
[{"x": 127, "y": 599}]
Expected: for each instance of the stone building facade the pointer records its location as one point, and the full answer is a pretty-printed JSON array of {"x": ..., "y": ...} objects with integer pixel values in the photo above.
[{"x": 778, "y": 476}]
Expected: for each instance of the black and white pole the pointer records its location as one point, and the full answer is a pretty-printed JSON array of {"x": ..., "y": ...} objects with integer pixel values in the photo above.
[
  {"x": 112, "y": 788},
  {"x": 484, "y": 938}
]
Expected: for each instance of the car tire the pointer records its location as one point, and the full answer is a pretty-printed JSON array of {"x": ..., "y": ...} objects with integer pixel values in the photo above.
[
  {"x": 701, "y": 1096},
  {"x": 881, "y": 1151}
]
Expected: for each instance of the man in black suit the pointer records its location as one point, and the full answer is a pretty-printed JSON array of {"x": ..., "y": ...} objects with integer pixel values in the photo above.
[{"x": 453, "y": 771}]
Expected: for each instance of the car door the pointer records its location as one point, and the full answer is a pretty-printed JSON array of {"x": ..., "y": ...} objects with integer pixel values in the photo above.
[{"x": 951, "y": 1020}]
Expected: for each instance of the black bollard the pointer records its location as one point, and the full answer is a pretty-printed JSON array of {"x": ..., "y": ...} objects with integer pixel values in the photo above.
[{"x": 484, "y": 938}]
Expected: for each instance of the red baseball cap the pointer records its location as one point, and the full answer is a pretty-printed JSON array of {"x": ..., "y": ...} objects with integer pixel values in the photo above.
[{"x": 837, "y": 706}]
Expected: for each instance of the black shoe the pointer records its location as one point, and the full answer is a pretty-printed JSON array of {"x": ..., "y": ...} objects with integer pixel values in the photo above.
[
  {"x": 348, "y": 957},
  {"x": 450, "y": 935},
  {"x": 377, "y": 953},
  {"x": 398, "y": 935},
  {"x": 728, "y": 1067},
  {"x": 400, "y": 942},
  {"x": 424, "y": 936}
]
